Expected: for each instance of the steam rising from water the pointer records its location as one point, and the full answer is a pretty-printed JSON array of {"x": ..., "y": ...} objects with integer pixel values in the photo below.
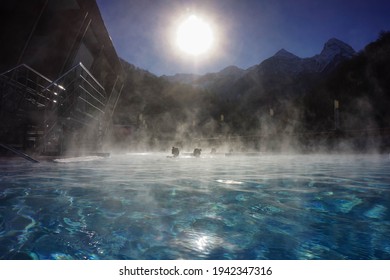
[
  {"x": 271, "y": 107},
  {"x": 188, "y": 117},
  {"x": 148, "y": 206}
]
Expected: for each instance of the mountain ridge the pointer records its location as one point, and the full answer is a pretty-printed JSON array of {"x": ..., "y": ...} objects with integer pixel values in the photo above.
[
  {"x": 282, "y": 62},
  {"x": 282, "y": 96}
]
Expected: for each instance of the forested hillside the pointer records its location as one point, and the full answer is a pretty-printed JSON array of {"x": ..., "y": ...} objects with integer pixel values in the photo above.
[{"x": 283, "y": 99}]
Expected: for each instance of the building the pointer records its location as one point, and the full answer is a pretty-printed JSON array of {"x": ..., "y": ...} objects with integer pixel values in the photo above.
[{"x": 60, "y": 76}]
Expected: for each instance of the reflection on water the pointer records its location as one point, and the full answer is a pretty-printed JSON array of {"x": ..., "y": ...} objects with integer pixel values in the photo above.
[{"x": 148, "y": 206}]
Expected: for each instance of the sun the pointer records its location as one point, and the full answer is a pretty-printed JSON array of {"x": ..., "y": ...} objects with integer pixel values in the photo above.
[{"x": 194, "y": 36}]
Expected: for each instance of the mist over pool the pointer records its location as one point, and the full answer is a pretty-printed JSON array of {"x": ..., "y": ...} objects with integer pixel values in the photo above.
[{"x": 149, "y": 206}]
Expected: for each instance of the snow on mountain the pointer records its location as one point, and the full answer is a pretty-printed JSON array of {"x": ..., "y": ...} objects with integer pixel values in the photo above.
[
  {"x": 334, "y": 51},
  {"x": 336, "y": 47},
  {"x": 286, "y": 63}
]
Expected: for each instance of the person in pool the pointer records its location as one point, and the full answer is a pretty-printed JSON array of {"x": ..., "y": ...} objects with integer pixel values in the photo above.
[
  {"x": 175, "y": 152},
  {"x": 197, "y": 152}
]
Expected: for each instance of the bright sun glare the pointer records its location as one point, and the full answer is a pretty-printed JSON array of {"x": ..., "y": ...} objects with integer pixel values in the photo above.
[{"x": 194, "y": 36}]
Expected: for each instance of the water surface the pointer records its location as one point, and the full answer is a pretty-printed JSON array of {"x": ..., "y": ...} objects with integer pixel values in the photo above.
[{"x": 148, "y": 206}]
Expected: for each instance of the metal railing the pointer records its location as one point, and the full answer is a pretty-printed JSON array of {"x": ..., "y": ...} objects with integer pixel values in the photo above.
[
  {"x": 72, "y": 101},
  {"x": 23, "y": 84},
  {"x": 80, "y": 101}
]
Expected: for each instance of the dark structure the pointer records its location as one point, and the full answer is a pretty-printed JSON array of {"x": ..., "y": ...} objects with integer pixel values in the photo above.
[
  {"x": 60, "y": 76},
  {"x": 175, "y": 151}
]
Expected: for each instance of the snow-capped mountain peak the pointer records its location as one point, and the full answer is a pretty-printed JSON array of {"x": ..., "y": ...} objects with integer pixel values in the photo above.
[
  {"x": 335, "y": 47},
  {"x": 332, "y": 54},
  {"x": 282, "y": 63}
]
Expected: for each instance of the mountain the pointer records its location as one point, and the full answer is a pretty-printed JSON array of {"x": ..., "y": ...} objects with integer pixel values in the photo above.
[
  {"x": 182, "y": 78},
  {"x": 362, "y": 87},
  {"x": 285, "y": 54},
  {"x": 283, "y": 96},
  {"x": 220, "y": 81},
  {"x": 283, "y": 66},
  {"x": 334, "y": 52},
  {"x": 226, "y": 75},
  {"x": 286, "y": 63},
  {"x": 152, "y": 109}
]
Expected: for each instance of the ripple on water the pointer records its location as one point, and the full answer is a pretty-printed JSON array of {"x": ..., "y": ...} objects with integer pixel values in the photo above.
[
  {"x": 199, "y": 244},
  {"x": 209, "y": 225},
  {"x": 2, "y": 225},
  {"x": 132, "y": 208},
  {"x": 346, "y": 205},
  {"x": 377, "y": 212},
  {"x": 162, "y": 253}
]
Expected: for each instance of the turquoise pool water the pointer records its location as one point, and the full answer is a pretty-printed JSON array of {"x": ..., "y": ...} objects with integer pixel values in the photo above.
[{"x": 148, "y": 206}]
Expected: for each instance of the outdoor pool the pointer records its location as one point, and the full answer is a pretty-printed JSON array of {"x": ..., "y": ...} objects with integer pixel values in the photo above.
[{"x": 148, "y": 206}]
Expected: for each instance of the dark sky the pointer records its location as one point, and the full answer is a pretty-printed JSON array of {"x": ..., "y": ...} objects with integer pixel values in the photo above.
[{"x": 247, "y": 31}]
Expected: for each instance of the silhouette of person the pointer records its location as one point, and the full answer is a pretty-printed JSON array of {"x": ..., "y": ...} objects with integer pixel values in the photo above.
[
  {"x": 197, "y": 152},
  {"x": 175, "y": 152}
]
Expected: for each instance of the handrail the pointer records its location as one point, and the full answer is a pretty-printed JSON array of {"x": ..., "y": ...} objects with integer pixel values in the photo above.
[
  {"x": 90, "y": 104},
  {"x": 55, "y": 82},
  {"x": 93, "y": 97},
  {"x": 93, "y": 78},
  {"x": 29, "y": 68},
  {"x": 76, "y": 86},
  {"x": 19, "y": 153},
  {"x": 85, "y": 80}
]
